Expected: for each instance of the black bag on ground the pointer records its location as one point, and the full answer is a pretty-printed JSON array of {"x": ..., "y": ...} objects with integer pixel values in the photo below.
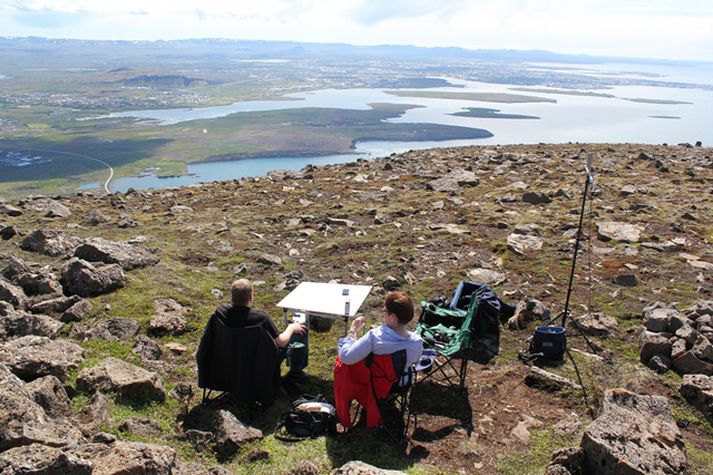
[{"x": 309, "y": 416}]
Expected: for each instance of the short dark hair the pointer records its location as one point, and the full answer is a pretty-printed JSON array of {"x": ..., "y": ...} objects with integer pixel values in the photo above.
[
  {"x": 241, "y": 292},
  {"x": 400, "y": 305}
]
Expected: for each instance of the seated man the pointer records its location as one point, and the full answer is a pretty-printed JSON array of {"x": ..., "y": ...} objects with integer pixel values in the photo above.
[
  {"x": 240, "y": 314},
  {"x": 218, "y": 343}
]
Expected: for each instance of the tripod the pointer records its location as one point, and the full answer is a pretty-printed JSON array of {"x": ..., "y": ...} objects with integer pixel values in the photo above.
[
  {"x": 564, "y": 314},
  {"x": 589, "y": 181}
]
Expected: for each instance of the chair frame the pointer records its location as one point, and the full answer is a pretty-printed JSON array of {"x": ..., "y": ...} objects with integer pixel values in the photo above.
[
  {"x": 399, "y": 395},
  {"x": 463, "y": 354}
]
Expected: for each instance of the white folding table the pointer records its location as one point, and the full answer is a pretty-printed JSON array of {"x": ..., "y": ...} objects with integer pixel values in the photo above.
[{"x": 326, "y": 300}]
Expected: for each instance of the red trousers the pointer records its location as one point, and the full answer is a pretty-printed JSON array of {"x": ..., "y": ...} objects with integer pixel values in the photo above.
[{"x": 354, "y": 382}]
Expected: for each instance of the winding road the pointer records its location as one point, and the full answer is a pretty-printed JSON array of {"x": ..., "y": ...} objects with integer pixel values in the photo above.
[{"x": 72, "y": 154}]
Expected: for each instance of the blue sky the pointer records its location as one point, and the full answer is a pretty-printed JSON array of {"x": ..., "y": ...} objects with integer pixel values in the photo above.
[{"x": 679, "y": 29}]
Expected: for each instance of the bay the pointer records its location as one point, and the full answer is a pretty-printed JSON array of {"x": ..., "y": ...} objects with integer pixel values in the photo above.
[{"x": 572, "y": 118}]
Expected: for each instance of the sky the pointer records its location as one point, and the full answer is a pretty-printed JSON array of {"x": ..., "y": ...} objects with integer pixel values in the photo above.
[{"x": 672, "y": 29}]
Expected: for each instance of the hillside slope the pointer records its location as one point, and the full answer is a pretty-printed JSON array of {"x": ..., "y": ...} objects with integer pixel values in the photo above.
[{"x": 421, "y": 221}]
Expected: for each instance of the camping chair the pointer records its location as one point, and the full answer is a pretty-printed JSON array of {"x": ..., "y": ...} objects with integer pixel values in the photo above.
[
  {"x": 467, "y": 329},
  {"x": 381, "y": 384},
  {"x": 242, "y": 361}
]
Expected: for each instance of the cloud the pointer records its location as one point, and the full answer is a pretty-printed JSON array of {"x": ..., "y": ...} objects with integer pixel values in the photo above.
[
  {"x": 375, "y": 11},
  {"x": 655, "y": 28},
  {"x": 49, "y": 20}
]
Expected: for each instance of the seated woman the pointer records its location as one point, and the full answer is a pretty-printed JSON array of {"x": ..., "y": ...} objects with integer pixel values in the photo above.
[{"x": 352, "y": 375}]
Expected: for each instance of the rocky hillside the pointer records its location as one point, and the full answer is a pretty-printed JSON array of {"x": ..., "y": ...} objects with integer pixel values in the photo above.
[{"x": 103, "y": 300}]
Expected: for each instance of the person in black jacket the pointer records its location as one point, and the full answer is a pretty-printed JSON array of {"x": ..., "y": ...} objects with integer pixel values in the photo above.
[
  {"x": 224, "y": 350},
  {"x": 240, "y": 314}
]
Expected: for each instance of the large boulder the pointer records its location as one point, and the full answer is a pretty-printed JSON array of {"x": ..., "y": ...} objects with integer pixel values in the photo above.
[
  {"x": 21, "y": 323},
  {"x": 659, "y": 319},
  {"x": 90, "y": 418},
  {"x": 618, "y": 231},
  {"x": 10, "y": 210},
  {"x": 81, "y": 278},
  {"x": 8, "y": 232},
  {"x": 703, "y": 349},
  {"x": 126, "y": 255},
  {"x": 49, "y": 393},
  {"x": 50, "y": 243},
  {"x": 634, "y": 435},
  {"x": 23, "y": 421},
  {"x": 140, "y": 426},
  {"x": 146, "y": 348},
  {"x": 520, "y": 244},
  {"x": 39, "y": 283},
  {"x": 453, "y": 180},
  {"x": 95, "y": 218},
  {"x": 50, "y": 208},
  {"x": 31, "y": 357},
  {"x": 76, "y": 312},
  {"x": 113, "y": 329},
  {"x": 13, "y": 266},
  {"x": 41, "y": 459},
  {"x": 127, "y": 458},
  {"x": 55, "y": 306},
  {"x": 526, "y": 311},
  {"x": 536, "y": 198},
  {"x": 654, "y": 344},
  {"x": 169, "y": 317},
  {"x": 356, "y": 467},
  {"x": 598, "y": 324},
  {"x": 689, "y": 363},
  {"x": 230, "y": 434},
  {"x": 12, "y": 294},
  {"x": 126, "y": 379},
  {"x": 488, "y": 277},
  {"x": 698, "y": 391}
]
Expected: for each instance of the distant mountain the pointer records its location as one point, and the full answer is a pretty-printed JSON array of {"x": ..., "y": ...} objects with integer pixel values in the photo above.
[
  {"x": 163, "y": 81},
  {"x": 259, "y": 49}
]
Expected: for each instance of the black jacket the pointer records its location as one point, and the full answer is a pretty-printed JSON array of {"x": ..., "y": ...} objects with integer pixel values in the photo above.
[{"x": 242, "y": 360}]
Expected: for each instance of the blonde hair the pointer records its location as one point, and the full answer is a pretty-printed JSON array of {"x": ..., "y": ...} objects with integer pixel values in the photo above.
[{"x": 241, "y": 292}]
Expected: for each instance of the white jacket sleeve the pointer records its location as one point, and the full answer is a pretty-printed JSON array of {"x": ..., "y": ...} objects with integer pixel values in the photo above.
[{"x": 352, "y": 351}]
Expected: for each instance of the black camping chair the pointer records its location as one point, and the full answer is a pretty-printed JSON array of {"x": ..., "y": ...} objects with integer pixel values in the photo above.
[
  {"x": 392, "y": 398},
  {"x": 241, "y": 361}
]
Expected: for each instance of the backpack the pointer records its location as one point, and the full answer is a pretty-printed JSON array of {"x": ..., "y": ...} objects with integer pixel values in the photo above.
[{"x": 308, "y": 417}]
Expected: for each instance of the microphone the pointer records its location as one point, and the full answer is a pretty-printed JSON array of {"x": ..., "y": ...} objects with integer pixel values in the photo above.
[{"x": 590, "y": 168}]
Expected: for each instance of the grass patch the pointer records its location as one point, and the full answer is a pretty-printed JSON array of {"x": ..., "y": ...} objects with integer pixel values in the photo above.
[
  {"x": 533, "y": 461},
  {"x": 700, "y": 462}
]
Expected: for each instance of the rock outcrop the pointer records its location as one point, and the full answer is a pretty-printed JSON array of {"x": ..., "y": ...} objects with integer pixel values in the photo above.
[
  {"x": 23, "y": 421},
  {"x": 43, "y": 459},
  {"x": 169, "y": 317},
  {"x": 619, "y": 231},
  {"x": 698, "y": 390},
  {"x": 32, "y": 357},
  {"x": 634, "y": 435},
  {"x": 130, "y": 381},
  {"x": 126, "y": 255},
  {"x": 81, "y": 278},
  {"x": 50, "y": 243},
  {"x": 682, "y": 341}
]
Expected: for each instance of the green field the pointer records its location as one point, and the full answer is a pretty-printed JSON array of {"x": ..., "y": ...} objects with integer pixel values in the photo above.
[
  {"x": 130, "y": 146},
  {"x": 485, "y": 113}
]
